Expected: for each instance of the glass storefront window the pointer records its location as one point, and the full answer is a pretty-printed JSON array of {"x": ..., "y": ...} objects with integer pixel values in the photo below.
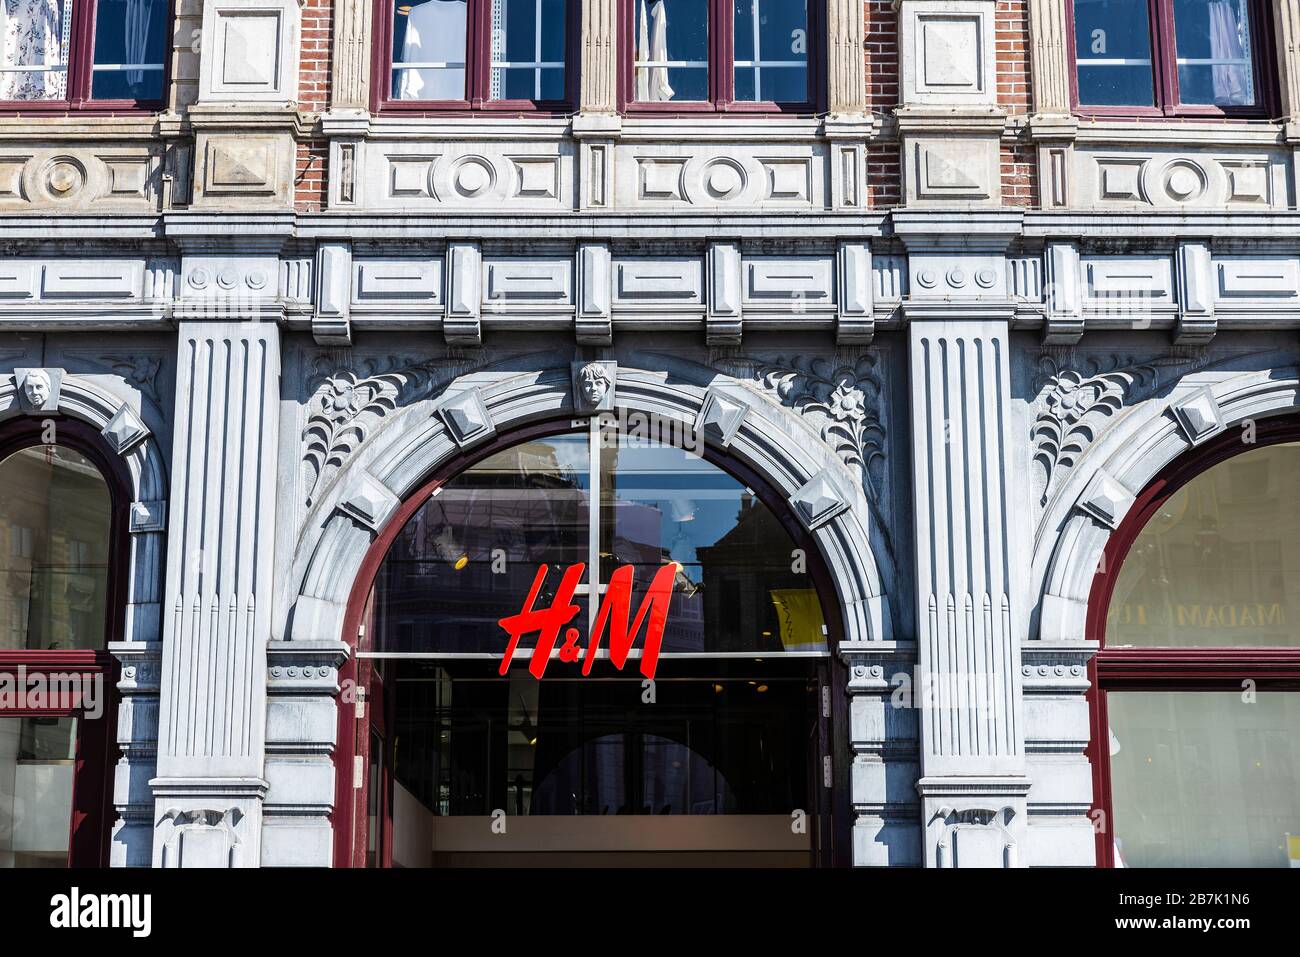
[
  {"x": 1219, "y": 563},
  {"x": 37, "y": 762},
  {"x": 56, "y": 514},
  {"x": 1203, "y": 778},
  {"x": 470, "y": 742},
  {"x": 468, "y": 557}
]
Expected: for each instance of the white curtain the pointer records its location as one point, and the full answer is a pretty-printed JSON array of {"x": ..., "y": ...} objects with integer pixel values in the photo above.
[
  {"x": 30, "y": 31},
  {"x": 1229, "y": 39},
  {"x": 435, "y": 33},
  {"x": 138, "y": 15},
  {"x": 652, "y": 46}
]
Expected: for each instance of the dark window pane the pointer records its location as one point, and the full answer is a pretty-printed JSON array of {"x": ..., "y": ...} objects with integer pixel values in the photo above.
[
  {"x": 671, "y": 40},
  {"x": 430, "y": 37},
  {"x": 1204, "y": 779},
  {"x": 56, "y": 513},
  {"x": 469, "y": 742},
  {"x": 130, "y": 46},
  {"x": 1113, "y": 46},
  {"x": 528, "y": 41},
  {"x": 771, "y": 51},
  {"x": 32, "y": 35},
  {"x": 1213, "y": 40}
]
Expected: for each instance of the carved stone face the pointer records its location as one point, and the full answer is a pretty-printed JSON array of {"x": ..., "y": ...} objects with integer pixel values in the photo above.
[
  {"x": 37, "y": 388},
  {"x": 594, "y": 382}
]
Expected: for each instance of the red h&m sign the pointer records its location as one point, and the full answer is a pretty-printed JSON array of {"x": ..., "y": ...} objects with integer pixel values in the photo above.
[{"x": 613, "y": 612}]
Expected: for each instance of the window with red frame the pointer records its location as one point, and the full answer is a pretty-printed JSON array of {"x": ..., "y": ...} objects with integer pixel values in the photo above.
[
  {"x": 61, "y": 523},
  {"x": 1170, "y": 56},
  {"x": 1196, "y": 722},
  {"x": 74, "y": 52},
  {"x": 457, "y": 53},
  {"x": 719, "y": 53}
]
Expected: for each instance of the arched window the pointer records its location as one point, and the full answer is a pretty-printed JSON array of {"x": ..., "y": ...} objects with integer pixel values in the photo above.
[
  {"x": 58, "y": 527},
  {"x": 1196, "y": 738},
  {"x": 731, "y": 725}
]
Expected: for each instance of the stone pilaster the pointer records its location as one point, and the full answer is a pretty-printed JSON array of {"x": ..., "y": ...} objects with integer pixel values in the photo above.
[
  {"x": 218, "y": 599},
  {"x": 597, "y": 126},
  {"x": 970, "y": 546},
  {"x": 1053, "y": 126},
  {"x": 846, "y": 80},
  {"x": 599, "y": 59}
]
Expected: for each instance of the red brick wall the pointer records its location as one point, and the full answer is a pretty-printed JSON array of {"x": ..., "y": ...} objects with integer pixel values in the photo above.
[
  {"x": 884, "y": 169},
  {"x": 1019, "y": 168},
  {"x": 313, "y": 97}
]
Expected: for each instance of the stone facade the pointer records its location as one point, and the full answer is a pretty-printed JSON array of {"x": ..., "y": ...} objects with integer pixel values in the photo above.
[{"x": 264, "y": 294}]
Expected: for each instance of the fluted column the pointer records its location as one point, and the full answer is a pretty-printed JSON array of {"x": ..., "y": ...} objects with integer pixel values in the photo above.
[
  {"x": 217, "y": 604},
  {"x": 846, "y": 70},
  {"x": 971, "y": 544}
]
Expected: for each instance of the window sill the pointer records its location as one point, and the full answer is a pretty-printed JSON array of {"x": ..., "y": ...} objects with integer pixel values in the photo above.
[{"x": 1178, "y": 132}]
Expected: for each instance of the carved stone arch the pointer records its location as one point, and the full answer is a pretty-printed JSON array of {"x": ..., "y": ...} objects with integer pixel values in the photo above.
[
  {"x": 770, "y": 440},
  {"x": 139, "y": 653},
  {"x": 1102, "y": 488},
  {"x": 82, "y": 399}
]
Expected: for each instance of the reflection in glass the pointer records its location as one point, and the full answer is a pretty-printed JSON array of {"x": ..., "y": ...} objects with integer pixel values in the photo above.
[
  {"x": 527, "y": 50},
  {"x": 429, "y": 43},
  {"x": 1219, "y": 563},
  {"x": 671, "y": 40},
  {"x": 771, "y": 51},
  {"x": 469, "y": 742},
  {"x": 1213, "y": 43},
  {"x": 468, "y": 556},
  {"x": 130, "y": 43},
  {"x": 37, "y": 758},
  {"x": 55, "y": 513},
  {"x": 1113, "y": 47},
  {"x": 1204, "y": 779}
]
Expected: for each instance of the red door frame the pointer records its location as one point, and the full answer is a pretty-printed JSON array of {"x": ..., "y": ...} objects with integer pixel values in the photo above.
[
  {"x": 831, "y": 809},
  {"x": 92, "y": 799},
  {"x": 1170, "y": 669}
]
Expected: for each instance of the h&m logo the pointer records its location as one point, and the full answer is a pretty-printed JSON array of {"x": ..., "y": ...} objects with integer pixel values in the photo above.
[{"x": 612, "y": 613}]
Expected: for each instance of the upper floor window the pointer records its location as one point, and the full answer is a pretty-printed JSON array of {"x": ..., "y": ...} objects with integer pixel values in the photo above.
[
  {"x": 728, "y": 54},
  {"x": 1169, "y": 56},
  {"x": 457, "y": 53},
  {"x": 68, "y": 52}
]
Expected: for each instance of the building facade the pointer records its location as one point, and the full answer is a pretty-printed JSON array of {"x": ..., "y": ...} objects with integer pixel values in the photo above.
[{"x": 981, "y": 315}]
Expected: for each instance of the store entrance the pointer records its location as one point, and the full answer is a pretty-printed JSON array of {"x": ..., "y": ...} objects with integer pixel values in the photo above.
[
  {"x": 684, "y": 722},
  {"x": 713, "y": 766}
]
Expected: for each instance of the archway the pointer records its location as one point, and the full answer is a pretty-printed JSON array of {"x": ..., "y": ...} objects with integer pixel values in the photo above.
[
  {"x": 1196, "y": 685},
  {"x": 479, "y": 752}
]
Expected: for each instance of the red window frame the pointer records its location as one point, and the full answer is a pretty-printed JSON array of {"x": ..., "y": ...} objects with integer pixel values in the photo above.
[
  {"x": 1272, "y": 668},
  {"x": 722, "y": 72},
  {"x": 92, "y": 790},
  {"x": 478, "y": 64},
  {"x": 81, "y": 56},
  {"x": 1164, "y": 69}
]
